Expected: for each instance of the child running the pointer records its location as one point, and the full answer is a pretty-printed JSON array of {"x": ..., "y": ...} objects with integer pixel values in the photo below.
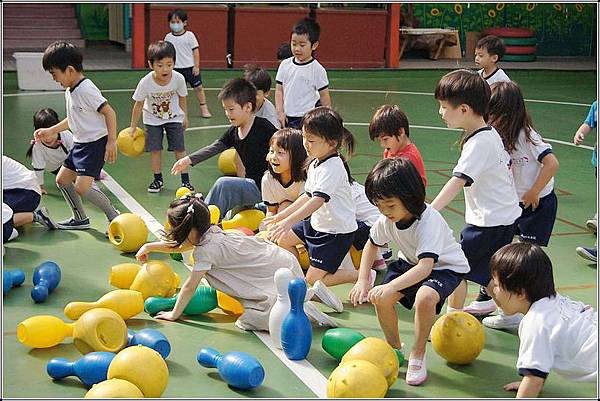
[{"x": 434, "y": 262}]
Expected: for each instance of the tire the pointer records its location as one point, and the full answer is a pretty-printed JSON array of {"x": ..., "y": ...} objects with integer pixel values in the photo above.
[
  {"x": 519, "y": 57},
  {"x": 520, "y": 50},
  {"x": 520, "y": 41},
  {"x": 508, "y": 32}
]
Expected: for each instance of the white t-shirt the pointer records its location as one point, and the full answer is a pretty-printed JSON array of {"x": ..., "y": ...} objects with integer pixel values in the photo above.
[
  {"x": 269, "y": 112},
  {"x": 7, "y": 214},
  {"x": 330, "y": 180},
  {"x": 161, "y": 103},
  {"x": 365, "y": 210},
  {"x": 184, "y": 48},
  {"x": 86, "y": 122},
  {"x": 428, "y": 237},
  {"x": 44, "y": 158},
  {"x": 301, "y": 85},
  {"x": 15, "y": 176},
  {"x": 526, "y": 162},
  {"x": 490, "y": 194},
  {"x": 274, "y": 193},
  {"x": 497, "y": 76},
  {"x": 560, "y": 334}
]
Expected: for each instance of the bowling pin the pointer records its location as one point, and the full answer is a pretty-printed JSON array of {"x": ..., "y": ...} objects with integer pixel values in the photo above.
[
  {"x": 249, "y": 218},
  {"x": 122, "y": 275},
  {"x": 45, "y": 279},
  {"x": 280, "y": 309},
  {"x": 150, "y": 338},
  {"x": 12, "y": 278},
  {"x": 336, "y": 342},
  {"x": 238, "y": 369},
  {"x": 90, "y": 368},
  {"x": 204, "y": 300},
  {"x": 229, "y": 304},
  {"x": 127, "y": 303},
  {"x": 43, "y": 331},
  {"x": 296, "y": 331}
]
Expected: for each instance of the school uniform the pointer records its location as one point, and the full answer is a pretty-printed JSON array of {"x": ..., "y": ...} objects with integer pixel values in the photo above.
[
  {"x": 269, "y": 112},
  {"x": 7, "y": 223},
  {"x": 498, "y": 75},
  {"x": 366, "y": 215},
  {"x": 46, "y": 158},
  {"x": 275, "y": 193},
  {"x": 20, "y": 189},
  {"x": 185, "y": 43},
  {"x": 426, "y": 237}
]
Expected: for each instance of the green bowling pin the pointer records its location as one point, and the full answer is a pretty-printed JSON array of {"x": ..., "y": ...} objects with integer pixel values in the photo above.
[
  {"x": 204, "y": 300},
  {"x": 336, "y": 342}
]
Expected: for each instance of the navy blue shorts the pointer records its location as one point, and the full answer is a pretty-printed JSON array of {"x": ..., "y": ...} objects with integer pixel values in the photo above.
[
  {"x": 361, "y": 235},
  {"x": 21, "y": 200},
  {"x": 155, "y": 134},
  {"x": 294, "y": 122},
  {"x": 536, "y": 226},
  {"x": 87, "y": 159},
  {"x": 444, "y": 282},
  {"x": 325, "y": 251},
  {"x": 479, "y": 244},
  {"x": 193, "y": 80}
]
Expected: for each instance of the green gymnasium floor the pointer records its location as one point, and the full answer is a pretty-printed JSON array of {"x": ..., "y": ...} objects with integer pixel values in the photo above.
[{"x": 559, "y": 102}]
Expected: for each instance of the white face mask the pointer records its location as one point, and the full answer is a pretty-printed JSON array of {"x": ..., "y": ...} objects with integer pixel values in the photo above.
[{"x": 176, "y": 27}]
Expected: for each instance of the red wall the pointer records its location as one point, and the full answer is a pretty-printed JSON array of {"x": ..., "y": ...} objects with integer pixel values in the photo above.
[{"x": 209, "y": 24}]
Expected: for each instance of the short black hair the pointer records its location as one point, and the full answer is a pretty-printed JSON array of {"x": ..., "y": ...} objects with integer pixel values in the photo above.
[
  {"x": 388, "y": 120},
  {"x": 464, "y": 87},
  {"x": 44, "y": 118},
  {"x": 258, "y": 77},
  {"x": 308, "y": 26},
  {"x": 397, "y": 178},
  {"x": 290, "y": 140},
  {"x": 284, "y": 51},
  {"x": 493, "y": 45},
  {"x": 61, "y": 54},
  {"x": 524, "y": 268},
  {"x": 159, "y": 50},
  {"x": 240, "y": 91},
  {"x": 179, "y": 13}
]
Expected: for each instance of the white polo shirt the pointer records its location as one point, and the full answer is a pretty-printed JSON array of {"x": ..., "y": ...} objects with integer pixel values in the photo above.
[
  {"x": 17, "y": 176},
  {"x": 497, "y": 76},
  {"x": 329, "y": 180},
  {"x": 527, "y": 162},
  {"x": 45, "y": 158},
  {"x": 184, "y": 48},
  {"x": 490, "y": 195},
  {"x": 301, "y": 85},
  {"x": 84, "y": 102},
  {"x": 161, "y": 103},
  {"x": 269, "y": 112},
  {"x": 365, "y": 210},
  {"x": 274, "y": 193}
]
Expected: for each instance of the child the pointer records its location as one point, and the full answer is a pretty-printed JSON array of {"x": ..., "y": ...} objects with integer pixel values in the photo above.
[
  {"x": 533, "y": 166},
  {"x": 556, "y": 333},
  {"x": 161, "y": 94},
  {"x": 249, "y": 135},
  {"x": 434, "y": 261},
  {"x": 488, "y": 51},
  {"x": 238, "y": 265},
  {"x": 188, "y": 56},
  {"x": 262, "y": 81},
  {"x": 302, "y": 82},
  {"x": 390, "y": 125},
  {"x": 483, "y": 172},
  {"x": 21, "y": 193},
  {"x": 330, "y": 230},
  {"x": 93, "y": 124}
]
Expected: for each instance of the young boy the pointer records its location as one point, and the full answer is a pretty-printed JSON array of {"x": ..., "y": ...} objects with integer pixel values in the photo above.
[
  {"x": 262, "y": 81},
  {"x": 556, "y": 333},
  {"x": 93, "y": 124},
  {"x": 188, "y": 55},
  {"x": 161, "y": 95},
  {"x": 284, "y": 51},
  {"x": 488, "y": 51},
  {"x": 389, "y": 125},
  {"x": 302, "y": 82},
  {"x": 249, "y": 135}
]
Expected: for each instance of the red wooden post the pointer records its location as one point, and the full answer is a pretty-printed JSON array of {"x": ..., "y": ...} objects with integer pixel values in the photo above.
[
  {"x": 138, "y": 36},
  {"x": 392, "y": 48}
]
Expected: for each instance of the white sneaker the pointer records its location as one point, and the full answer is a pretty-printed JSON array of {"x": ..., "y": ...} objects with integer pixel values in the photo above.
[
  {"x": 327, "y": 296},
  {"x": 479, "y": 308},
  {"x": 14, "y": 234},
  {"x": 592, "y": 225},
  {"x": 503, "y": 321},
  {"x": 319, "y": 317}
]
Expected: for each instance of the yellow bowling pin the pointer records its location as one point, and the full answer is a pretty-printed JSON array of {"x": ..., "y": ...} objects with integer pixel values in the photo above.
[
  {"x": 127, "y": 303},
  {"x": 215, "y": 214},
  {"x": 249, "y": 218},
  {"x": 43, "y": 331},
  {"x": 122, "y": 275},
  {"x": 228, "y": 304}
]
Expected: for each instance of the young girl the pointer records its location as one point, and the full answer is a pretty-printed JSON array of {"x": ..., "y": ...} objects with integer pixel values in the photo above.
[
  {"x": 329, "y": 232},
  {"x": 533, "y": 168},
  {"x": 434, "y": 262},
  {"x": 238, "y": 265}
]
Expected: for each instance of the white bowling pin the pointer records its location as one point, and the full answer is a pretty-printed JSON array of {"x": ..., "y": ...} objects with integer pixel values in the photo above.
[{"x": 282, "y": 306}]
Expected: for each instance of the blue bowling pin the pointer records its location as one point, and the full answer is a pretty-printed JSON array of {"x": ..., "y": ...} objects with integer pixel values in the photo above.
[
  {"x": 296, "y": 331},
  {"x": 45, "y": 279},
  {"x": 92, "y": 368},
  {"x": 12, "y": 278},
  {"x": 238, "y": 369},
  {"x": 150, "y": 338}
]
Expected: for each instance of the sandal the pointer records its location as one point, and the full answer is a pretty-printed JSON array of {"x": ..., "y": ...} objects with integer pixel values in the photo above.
[{"x": 416, "y": 377}]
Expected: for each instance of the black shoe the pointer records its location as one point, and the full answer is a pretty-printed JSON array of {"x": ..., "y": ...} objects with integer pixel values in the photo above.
[
  {"x": 73, "y": 224},
  {"x": 42, "y": 216},
  {"x": 188, "y": 185},
  {"x": 483, "y": 295},
  {"x": 155, "y": 186}
]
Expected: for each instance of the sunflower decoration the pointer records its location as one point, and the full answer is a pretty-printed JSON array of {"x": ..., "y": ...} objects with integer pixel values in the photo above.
[
  {"x": 492, "y": 13},
  {"x": 500, "y": 6},
  {"x": 435, "y": 12},
  {"x": 458, "y": 9},
  {"x": 557, "y": 6},
  {"x": 579, "y": 7},
  {"x": 530, "y": 6}
]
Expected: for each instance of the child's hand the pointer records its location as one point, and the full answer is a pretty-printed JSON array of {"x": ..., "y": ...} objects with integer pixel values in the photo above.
[
  {"x": 43, "y": 190},
  {"x": 270, "y": 219},
  {"x": 531, "y": 198},
  {"x": 132, "y": 131},
  {"x": 142, "y": 254},
  {"x": 110, "y": 155},
  {"x": 166, "y": 315},
  {"x": 513, "y": 386},
  {"x": 195, "y": 71},
  {"x": 277, "y": 230},
  {"x": 41, "y": 133},
  {"x": 379, "y": 292},
  {"x": 578, "y": 138},
  {"x": 186, "y": 123},
  {"x": 282, "y": 119},
  {"x": 181, "y": 165},
  {"x": 359, "y": 292}
]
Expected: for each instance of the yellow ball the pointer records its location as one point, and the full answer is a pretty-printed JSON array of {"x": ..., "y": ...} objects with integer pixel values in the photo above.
[
  {"x": 355, "y": 254},
  {"x": 182, "y": 191},
  {"x": 458, "y": 337},
  {"x": 226, "y": 162},
  {"x": 127, "y": 232},
  {"x": 356, "y": 379},
  {"x": 379, "y": 353},
  {"x": 100, "y": 329},
  {"x": 131, "y": 146},
  {"x": 143, "y": 367},
  {"x": 114, "y": 388},
  {"x": 303, "y": 258}
]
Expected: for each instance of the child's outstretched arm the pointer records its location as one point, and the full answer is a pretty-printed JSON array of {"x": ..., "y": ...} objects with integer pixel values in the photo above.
[
  {"x": 110, "y": 117},
  {"x": 581, "y": 133},
  {"x": 184, "y": 296},
  {"x": 160, "y": 246},
  {"x": 529, "y": 387},
  {"x": 449, "y": 192},
  {"x": 361, "y": 288},
  {"x": 198, "y": 156},
  {"x": 39, "y": 133},
  {"x": 282, "y": 222}
]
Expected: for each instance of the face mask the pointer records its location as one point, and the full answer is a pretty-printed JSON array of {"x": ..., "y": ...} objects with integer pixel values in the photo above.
[{"x": 176, "y": 27}]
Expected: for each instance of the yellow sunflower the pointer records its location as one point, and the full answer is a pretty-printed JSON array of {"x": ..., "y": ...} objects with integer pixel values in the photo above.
[
  {"x": 530, "y": 6},
  {"x": 557, "y": 6},
  {"x": 492, "y": 13},
  {"x": 579, "y": 7},
  {"x": 458, "y": 9},
  {"x": 435, "y": 12},
  {"x": 500, "y": 6}
]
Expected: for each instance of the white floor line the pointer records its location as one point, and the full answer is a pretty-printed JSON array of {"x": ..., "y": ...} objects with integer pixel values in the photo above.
[{"x": 306, "y": 372}]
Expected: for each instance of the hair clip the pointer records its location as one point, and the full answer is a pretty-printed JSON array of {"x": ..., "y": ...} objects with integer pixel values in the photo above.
[
  {"x": 32, "y": 142},
  {"x": 199, "y": 196},
  {"x": 190, "y": 209}
]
